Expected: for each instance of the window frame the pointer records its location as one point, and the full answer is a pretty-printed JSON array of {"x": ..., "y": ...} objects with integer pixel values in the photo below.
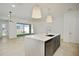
[{"x": 23, "y": 29}]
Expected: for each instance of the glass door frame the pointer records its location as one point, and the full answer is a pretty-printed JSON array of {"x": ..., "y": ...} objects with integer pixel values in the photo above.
[{"x": 7, "y": 28}]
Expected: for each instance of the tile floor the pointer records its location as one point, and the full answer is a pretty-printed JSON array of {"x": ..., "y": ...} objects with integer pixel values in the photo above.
[
  {"x": 67, "y": 49},
  {"x": 15, "y": 47}
]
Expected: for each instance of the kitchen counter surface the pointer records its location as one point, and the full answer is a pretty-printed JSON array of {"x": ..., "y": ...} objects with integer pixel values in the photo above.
[{"x": 41, "y": 37}]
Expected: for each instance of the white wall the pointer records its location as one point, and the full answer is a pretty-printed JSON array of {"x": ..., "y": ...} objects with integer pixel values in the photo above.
[
  {"x": 12, "y": 30},
  {"x": 77, "y": 27},
  {"x": 12, "y": 26},
  {"x": 40, "y": 25},
  {"x": 66, "y": 24},
  {"x": 71, "y": 27}
]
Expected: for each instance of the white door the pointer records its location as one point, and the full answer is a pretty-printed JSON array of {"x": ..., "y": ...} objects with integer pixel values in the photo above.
[{"x": 70, "y": 21}]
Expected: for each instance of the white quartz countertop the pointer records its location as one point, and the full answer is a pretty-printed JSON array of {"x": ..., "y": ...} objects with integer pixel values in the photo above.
[{"x": 41, "y": 37}]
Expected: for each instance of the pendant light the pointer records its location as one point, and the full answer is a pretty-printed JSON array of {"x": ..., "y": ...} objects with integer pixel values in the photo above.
[
  {"x": 49, "y": 21},
  {"x": 36, "y": 12},
  {"x": 10, "y": 14},
  {"x": 49, "y": 17}
]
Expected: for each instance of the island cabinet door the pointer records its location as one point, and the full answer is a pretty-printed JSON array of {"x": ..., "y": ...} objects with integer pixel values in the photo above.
[
  {"x": 57, "y": 41},
  {"x": 52, "y": 45}
]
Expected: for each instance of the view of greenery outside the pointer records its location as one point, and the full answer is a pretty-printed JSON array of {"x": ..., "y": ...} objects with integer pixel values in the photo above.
[
  {"x": 0, "y": 34},
  {"x": 23, "y": 29}
]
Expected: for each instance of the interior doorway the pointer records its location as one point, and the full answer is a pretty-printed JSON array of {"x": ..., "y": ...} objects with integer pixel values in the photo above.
[{"x": 3, "y": 29}]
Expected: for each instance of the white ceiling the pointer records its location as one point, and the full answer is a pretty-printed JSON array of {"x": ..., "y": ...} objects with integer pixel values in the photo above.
[{"x": 23, "y": 10}]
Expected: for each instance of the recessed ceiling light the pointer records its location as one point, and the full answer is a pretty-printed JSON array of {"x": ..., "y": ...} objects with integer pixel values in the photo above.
[{"x": 13, "y": 6}]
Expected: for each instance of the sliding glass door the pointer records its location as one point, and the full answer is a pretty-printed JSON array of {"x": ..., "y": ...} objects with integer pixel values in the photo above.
[
  {"x": 23, "y": 29},
  {"x": 3, "y": 28},
  {"x": 26, "y": 29},
  {"x": 19, "y": 29}
]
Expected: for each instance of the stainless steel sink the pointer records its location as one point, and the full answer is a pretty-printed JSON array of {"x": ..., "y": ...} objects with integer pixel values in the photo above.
[{"x": 50, "y": 35}]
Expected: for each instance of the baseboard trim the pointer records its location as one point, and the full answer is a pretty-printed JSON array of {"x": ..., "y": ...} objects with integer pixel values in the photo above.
[
  {"x": 71, "y": 42},
  {"x": 13, "y": 38}
]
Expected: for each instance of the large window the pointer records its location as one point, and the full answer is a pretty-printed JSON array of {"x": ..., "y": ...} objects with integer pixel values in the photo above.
[
  {"x": 19, "y": 29},
  {"x": 23, "y": 29}
]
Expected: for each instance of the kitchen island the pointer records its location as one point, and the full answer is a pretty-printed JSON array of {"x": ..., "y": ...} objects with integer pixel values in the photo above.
[{"x": 41, "y": 44}]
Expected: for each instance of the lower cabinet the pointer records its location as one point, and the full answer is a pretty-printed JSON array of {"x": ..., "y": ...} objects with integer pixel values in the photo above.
[{"x": 52, "y": 45}]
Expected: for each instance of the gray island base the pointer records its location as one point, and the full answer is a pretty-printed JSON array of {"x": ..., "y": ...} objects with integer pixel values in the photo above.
[{"x": 41, "y": 45}]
